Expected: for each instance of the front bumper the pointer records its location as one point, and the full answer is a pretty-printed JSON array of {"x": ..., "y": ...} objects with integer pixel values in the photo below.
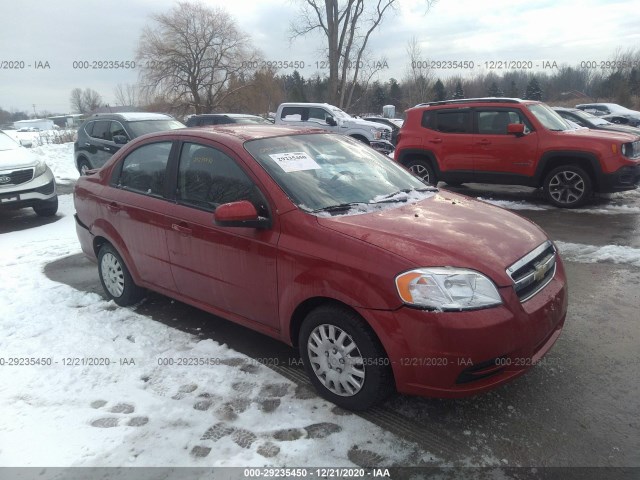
[
  {"x": 29, "y": 194},
  {"x": 382, "y": 146},
  {"x": 625, "y": 178},
  {"x": 456, "y": 354}
]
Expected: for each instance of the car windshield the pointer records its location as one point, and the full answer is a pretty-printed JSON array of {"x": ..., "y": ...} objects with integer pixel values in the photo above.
[
  {"x": 142, "y": 127},
  {"x": 7, "y": 143},
  {"x": 593, "y": 119},
  {"x": 331, "y": 173},
  {"x": 548, "y": 118},
  {"x": 250, "y": 120},
  {"x": 339, "y": 113}
]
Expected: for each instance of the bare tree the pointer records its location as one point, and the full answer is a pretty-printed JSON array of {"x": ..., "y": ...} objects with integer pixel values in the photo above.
[
  {"x": 418, "y": 77},
  {"x": 347, "y": 26},
  {"x": 84, "y": 101},
  {"x": 191, "y": 54},
  {"x": 126, "y": 95}
]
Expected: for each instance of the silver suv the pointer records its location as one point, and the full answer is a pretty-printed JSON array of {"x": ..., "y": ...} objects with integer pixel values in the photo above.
[{"x": 25, "y": 181}]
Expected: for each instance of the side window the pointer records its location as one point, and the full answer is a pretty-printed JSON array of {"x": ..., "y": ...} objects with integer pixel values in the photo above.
[
  {"x": 292, "y": 114},
  {"x": 144, "y": 169},
  {"x": 318, "y": 115},
  {"x": 456, "y": 121},
  {"x": 207, "y": 178},
  {"x": 101, "y": 130},
  {"x": 117, "y": 129},
  {"x": 495, "y": 122}
]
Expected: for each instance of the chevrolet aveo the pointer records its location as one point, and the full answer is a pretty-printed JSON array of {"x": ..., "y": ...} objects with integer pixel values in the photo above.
[{"x": 381, "y": 281}]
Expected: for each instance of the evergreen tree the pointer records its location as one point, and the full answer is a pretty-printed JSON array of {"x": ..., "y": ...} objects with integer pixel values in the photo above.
[
  {"x": 533, "y": 92},
  {"x": 440, "y": 92},
  {"x": 459, "y": 93},
  {"x": 494, "y": 90},
  {"x": 513, "y": 90}
]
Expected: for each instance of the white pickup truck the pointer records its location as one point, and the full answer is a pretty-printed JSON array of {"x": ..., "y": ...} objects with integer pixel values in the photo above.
[{"x": 323, "y": 115}]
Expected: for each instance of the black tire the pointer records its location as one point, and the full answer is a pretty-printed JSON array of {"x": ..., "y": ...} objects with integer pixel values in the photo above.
[
  {"x": 366, "y": 360},
  {"x": 48, "y": 208},
  {"x": 423, "y": 169},
  {"x": 115, "y": 277},
  {"x": 83, "y": 166},
  {"x": 567, "y": 186},
  {"x": 455, "y": 184}
]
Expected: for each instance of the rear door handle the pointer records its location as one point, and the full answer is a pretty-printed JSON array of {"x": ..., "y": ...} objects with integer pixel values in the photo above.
[
  {"x": 113, "y": 207},
  {"x": 484, "y": 141},
  {"x": 182, "y": 229}
]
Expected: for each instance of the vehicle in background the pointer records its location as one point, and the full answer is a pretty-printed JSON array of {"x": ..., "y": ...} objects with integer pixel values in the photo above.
[
  {"x": 25, "y": 181},
  {"x": 588, "y": 120},
  {"x": 103, "y": 134},
  {"x": 315, "y": 239},
  {"x": 613, "y": 112},
  {"x": 516, "y": 142},
  {"x": 328, "y": 117},
  {"x": 224, "y": 119},
  {"x": 393, "y": 123}
]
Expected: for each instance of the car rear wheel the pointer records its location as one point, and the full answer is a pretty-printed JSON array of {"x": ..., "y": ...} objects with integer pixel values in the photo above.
[
  {"x": 567, "y": 186},
  {"x": 48, "y": 208},
  {"x": 115, "y": 277},
  {"x": 423, "y": 169},
  {"x": 344, "y": 359},
  {"x": 83, "y": 166}
]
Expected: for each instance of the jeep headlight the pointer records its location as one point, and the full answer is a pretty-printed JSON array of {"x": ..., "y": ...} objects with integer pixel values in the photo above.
[
  {"x": 41, "y": 167},
  {"x": 447, "y": 288}
]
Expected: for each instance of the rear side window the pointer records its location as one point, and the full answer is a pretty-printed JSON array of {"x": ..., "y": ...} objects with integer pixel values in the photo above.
[
  {"x": 144, "y": 169},
  {"x": 452, "y": 121},
  {"x": 208, "y": 177}
]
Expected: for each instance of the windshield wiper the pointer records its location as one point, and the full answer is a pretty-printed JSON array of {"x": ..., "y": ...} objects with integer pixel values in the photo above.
[
  {"x": 339, "y": 207},
  {"x": 389, "y": 197}
]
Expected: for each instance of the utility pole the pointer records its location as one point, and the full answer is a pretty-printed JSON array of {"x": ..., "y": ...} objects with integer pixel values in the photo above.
[{"x": 34, "y": 110}]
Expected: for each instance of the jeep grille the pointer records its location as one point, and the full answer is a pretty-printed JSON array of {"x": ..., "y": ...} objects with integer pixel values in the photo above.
[{"x": 534, "y": 271}]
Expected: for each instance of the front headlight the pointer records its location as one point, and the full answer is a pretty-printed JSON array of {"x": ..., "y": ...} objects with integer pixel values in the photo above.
[
  {"x": 377, "y": 134},
  {"x": 41, "y": 167},
  {"x": 447, "y": 288}
]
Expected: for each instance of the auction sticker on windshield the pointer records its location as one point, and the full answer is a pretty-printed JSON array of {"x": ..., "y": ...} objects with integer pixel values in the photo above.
[{"x": 295, "y": 161}]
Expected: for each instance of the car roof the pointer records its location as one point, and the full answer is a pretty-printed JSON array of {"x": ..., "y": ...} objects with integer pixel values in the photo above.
[
  {"x": 131, "y": 116},
  {"x": 481, "y": 100},
  {"x": 232, "y": 115}
]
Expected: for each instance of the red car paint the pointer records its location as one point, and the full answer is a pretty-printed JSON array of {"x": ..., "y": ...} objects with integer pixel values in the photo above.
[{"x": 267, "y": 278}]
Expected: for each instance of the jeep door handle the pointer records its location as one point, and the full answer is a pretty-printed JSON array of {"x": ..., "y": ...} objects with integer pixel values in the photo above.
[
  {"x": 484, "y": 141},
  {"x": 113, "y": 207},
  {"x": 182, "y": 229},
  {"x": 436, "y": 140}
]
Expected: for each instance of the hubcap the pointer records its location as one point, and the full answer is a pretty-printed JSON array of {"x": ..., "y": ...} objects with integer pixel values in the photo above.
[
  {"x": 112, "y": 275},
  {"x": 84, "y": 168},
  {"x": 566, "y": 187},
  {"x": 421, "y": 171},
  {"x": 336, "y": 360}
]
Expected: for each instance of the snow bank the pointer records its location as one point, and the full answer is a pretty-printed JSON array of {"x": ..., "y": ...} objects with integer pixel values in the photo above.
[{"x": 576, "y": 252}]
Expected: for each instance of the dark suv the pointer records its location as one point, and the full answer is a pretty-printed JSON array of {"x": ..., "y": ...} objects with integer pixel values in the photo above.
[
  {"x": 516, "y": 142},
  {"x": 224, "y": 119},
  {"x": 102, "y": 135}
]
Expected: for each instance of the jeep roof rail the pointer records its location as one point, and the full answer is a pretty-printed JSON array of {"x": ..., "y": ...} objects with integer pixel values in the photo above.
[{"x": 474, "y": 100}]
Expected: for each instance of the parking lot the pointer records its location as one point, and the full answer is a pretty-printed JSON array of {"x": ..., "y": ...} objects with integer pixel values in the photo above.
[{"x": 579, "y": 407}]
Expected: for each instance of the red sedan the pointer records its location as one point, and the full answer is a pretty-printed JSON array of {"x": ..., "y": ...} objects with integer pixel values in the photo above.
[{"x": 317, "y": 240}]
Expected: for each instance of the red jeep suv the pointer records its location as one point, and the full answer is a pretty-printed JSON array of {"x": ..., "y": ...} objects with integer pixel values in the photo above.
[{"x": 516, "y": 142}]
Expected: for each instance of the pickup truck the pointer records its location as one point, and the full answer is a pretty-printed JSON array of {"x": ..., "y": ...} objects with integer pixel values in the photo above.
[{"x": 329, "y": 117}]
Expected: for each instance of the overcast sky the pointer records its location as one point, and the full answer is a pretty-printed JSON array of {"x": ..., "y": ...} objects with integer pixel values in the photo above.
[{"x": 32, "y": 31}]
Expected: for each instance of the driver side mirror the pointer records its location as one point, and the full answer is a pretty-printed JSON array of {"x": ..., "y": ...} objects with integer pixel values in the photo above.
[
  {"x": 516, "y": 129},
  {"x": 120, "y": 139},
  {"x": 331, "y": 121},
  {"x": 239, "y": 214}
]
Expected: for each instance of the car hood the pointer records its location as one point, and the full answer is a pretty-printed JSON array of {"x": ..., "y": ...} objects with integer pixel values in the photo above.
[
  {"x": 16, "y": 158},
  {"x": 620, "y": 128},
  {"x": 603, "y": 135},
  {"x": 365, "y": 124},
  {"x": 447, "y": 229}
]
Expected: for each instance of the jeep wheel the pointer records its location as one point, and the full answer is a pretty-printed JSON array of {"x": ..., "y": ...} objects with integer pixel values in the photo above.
[
  {"x": 567, "y": 186},
  {"x": 422, "y": 169},
  {"x": 115, "y": 277},
  {"x": 344, "y": 359},
  {"x": 83, "y": 166}
]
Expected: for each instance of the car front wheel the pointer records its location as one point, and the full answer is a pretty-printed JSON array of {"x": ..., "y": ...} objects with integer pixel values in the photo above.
[
  {"x": 83, "y": 166},
  {"x": 344, "y": 359},
  {"x": 567, "y": 186},
  {"x": 423, "y": 169},
  {"x": 115, "y": 277}
]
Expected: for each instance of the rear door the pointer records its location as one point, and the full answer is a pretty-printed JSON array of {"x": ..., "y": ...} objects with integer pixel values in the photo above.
[
  {"x": 232, "y": 269},
  {"x": 99, "y": 143},
  {"x": 451, "y": 139}
]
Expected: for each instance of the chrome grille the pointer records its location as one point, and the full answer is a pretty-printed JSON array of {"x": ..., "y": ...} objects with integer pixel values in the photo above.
[
  {"x": 534, "y": 271},
  {"x": 17, "y": 176},
  {"x": 386, "y": 134}
]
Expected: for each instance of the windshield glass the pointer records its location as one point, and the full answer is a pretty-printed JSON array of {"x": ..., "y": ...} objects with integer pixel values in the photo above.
[
  {"x": 548, "y": 118},
  {"x": 7, "y": 143},
  {"x": 320, "y": 171},
  {"x": 251, "y": 120},
  {"x": 339, "y": 113},
  {"x": 142, "y": 127},
  {"x": 594, "y": 120}
]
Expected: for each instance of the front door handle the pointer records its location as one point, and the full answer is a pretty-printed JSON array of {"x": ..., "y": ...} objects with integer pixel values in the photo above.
[
  {"x": 182, "y": 229},
  {"x": 436, "y": 140},
  {"x": 484, "y": 141}
]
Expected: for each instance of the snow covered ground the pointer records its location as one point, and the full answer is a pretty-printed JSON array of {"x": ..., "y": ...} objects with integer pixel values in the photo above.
[{"x": 86, "y": 383}]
